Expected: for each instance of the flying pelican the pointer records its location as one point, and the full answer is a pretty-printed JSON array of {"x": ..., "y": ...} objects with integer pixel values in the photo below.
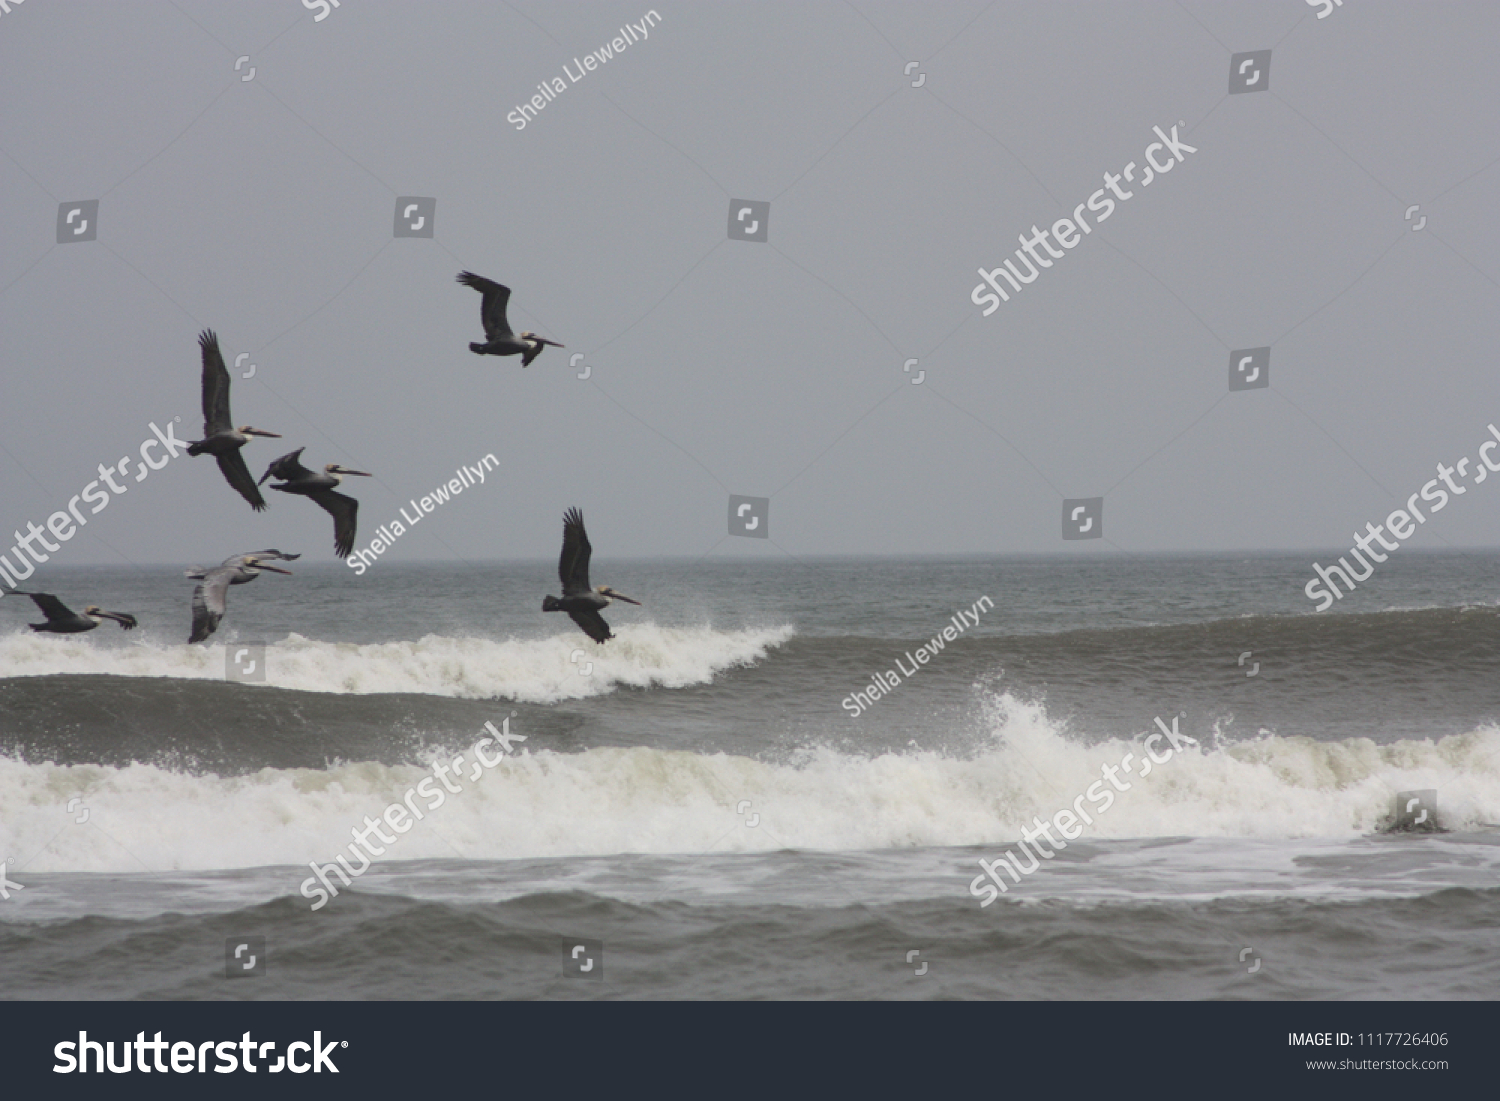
[
  {"x": 501, "y": 341},
  {"x": 220, "y": 438},
  {"x": 213, "y": 586},
  {"x": 234, "y": 560},
  {"x": 62, "y": 620},
  {"x": 296, "y": 478},
  {"x": 578, "y": 600}
]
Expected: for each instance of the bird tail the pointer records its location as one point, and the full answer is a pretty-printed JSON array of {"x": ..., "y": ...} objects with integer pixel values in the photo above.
[
  {"x": 551, "y": 604},
  {"x": 477, "y": 349},
  {"x": 196, "y": 447}
]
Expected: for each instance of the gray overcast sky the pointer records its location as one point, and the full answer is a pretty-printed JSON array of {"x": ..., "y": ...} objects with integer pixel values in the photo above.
[{"x": 264, "y": 208}]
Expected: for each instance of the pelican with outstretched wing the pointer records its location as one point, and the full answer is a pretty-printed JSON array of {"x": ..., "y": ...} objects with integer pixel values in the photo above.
[
  {"x": 499, "y": 340},
  {"x": 62, "y": 620},
  {"x": 581, "y": 603},
  {"x": 213, "y": 586},
  {"x": 221, "y": 438},
  {"x": 318, "y": 487}
]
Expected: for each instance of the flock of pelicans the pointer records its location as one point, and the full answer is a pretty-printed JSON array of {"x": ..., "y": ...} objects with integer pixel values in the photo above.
[{"x": 223, "y": 441}]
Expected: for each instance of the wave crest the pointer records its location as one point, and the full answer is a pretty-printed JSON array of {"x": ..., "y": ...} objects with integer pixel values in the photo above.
[{"x": 565, "y": 666}]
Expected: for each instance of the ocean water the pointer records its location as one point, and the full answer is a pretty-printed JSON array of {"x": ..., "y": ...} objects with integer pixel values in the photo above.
[{"x": 694, "y": 808}]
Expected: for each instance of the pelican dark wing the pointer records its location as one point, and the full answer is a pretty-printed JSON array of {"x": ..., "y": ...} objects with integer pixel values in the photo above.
[
  {"x": 344, "y": 510},
  {"x": 492, "y": 305},
  {"x": 232, "y": 465},
  {"x": 287, "y": 468},
  {"x": 573, "y": 566},
  {"x": 216, "y": 416},
  {"x": 208, "y": 603},
  {"x": 592, "y": 623},
  {"x": 52, "y": 608}
]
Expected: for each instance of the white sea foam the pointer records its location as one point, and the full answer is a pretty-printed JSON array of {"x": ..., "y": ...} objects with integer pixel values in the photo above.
[
  {"x": 565, "y": 666},
  {"x": 613, "y": 800}
]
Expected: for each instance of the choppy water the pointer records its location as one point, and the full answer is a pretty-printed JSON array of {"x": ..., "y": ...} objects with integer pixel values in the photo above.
[{"x": 696, "y": 795}]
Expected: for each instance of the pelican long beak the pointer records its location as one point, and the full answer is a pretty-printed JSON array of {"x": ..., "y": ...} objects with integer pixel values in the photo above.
[
  {"x": 346, "y": 470},
  {"x": 126, "y": 622},
  {"x": 273, "y": 569},
  {"x": 621, "y": 596},
  {"x": 262, "y": 432},
  {"x": 544, "y": 340}
]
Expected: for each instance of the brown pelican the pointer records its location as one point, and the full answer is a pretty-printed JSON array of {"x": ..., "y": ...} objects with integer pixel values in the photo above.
[
  {"x": 296, "y": 478},
  {"x": 213, "y": 586},
  {"x": 501, "y": 341},
  {"x": 240, "y": 579},
  {"x": 220, "y": 438},
  {"x": 578, "y": 600},
  {"x": 62, "y": 620}
]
